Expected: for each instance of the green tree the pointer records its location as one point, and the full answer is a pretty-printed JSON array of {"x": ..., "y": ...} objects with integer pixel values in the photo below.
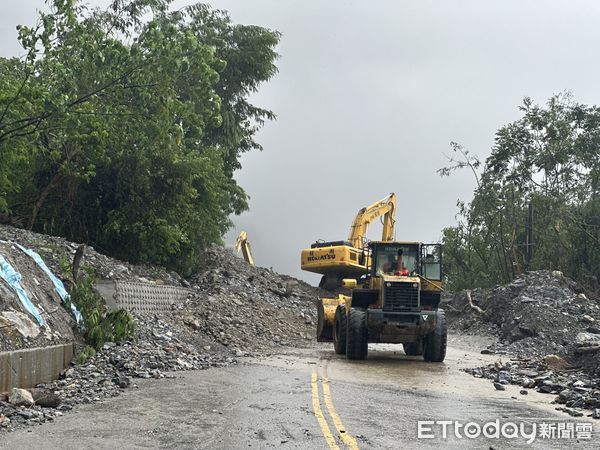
[
  {"x": 547, "y": 160},
  {"x": 124, "y": 126}
]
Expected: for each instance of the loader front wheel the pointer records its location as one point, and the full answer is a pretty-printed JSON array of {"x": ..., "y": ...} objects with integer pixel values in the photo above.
[
  {"x": 340, "y": 330},
  {"x": 357, "y": 346},
  {"x": 436, "y": 341}
]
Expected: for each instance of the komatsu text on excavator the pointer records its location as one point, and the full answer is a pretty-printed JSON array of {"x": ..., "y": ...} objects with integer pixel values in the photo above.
[{"x": 337, "y": 260}]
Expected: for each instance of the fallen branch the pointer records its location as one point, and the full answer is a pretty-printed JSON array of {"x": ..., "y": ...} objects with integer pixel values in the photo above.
[{"x": 475, "y": 307}]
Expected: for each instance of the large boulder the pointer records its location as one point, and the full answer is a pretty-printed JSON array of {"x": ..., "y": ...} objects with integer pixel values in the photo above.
[
  {"x": 45, "y": 398},
  {"x": 20, "y": 397}
]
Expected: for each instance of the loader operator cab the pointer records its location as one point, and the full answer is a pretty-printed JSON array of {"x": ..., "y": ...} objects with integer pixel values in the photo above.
[
  {"x": 406, "y": 259},
  {"x": 398, "y": 259}
]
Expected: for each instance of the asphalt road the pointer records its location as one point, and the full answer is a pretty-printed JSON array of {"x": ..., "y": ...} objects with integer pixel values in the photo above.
[{"x": 315, "y": 399}]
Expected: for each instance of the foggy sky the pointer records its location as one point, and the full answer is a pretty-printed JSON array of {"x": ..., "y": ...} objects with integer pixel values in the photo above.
[{"x": 369, "y": 95}]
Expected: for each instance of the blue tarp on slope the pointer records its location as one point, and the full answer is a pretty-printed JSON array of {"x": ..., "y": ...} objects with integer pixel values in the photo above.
[
  {"x": 58, "y": 284},
  {"x": 13, "y": 278}
]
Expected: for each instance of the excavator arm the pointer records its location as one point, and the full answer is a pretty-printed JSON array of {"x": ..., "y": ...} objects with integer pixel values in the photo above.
[
  {"x": 337, "y": 260},
  {"x": 242, "y": 244},
  {"x": 385, "y": 207}
]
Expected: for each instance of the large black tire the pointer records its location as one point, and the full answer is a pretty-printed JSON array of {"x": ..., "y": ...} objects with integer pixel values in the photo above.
[
  {"x": 340, "y": 330},
  {"x": 357, "y": 344},
  {"x": 436, "y": 341},
  {"x": 413, "y": 348}
]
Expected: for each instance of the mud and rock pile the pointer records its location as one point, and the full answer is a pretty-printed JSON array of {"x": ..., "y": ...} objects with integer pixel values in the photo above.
[
  {"x": 539, "y": 313},
  {"x": 247, "y": 308},
  {"x": 548, "y": 335},
  {"x": 18, "y": 327},
  {"x": 233, "y": 310},
  {"x": 157, "y": 351},
  {"x": 56, "y": 251},
  {"x": 232, "y": 305}
]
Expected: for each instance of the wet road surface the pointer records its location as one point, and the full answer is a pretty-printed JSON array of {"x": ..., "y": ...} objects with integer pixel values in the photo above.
[{"x": 312, "y": 399}]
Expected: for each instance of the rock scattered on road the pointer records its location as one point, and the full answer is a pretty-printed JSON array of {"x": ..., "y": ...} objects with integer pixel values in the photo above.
[{"x": 544, "y": 323}]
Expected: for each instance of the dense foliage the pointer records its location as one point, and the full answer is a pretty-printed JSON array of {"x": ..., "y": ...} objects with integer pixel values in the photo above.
[
  {"x": 122, "y": 127},
  {"x": 100, "y": 324},
  {"x": 549, "y": 161}
]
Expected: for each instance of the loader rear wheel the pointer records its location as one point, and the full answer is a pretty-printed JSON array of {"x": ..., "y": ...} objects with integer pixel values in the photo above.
[
  {"x": 340, "y": 330},
  {"x": 413, "y": 348},
  {"x": 357, "y": 346},
  {"x": 435, "y": 342}
]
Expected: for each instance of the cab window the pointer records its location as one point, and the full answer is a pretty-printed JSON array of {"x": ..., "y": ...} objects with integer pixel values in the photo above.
[
  {"x": 396, "y": 260},
  {"x": 432, "y": 261}
]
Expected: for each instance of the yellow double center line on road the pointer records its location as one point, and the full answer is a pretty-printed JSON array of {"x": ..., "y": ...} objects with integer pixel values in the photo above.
[
  {"x": 344, "y": 436},
  {"x": 319, "y": 413}
]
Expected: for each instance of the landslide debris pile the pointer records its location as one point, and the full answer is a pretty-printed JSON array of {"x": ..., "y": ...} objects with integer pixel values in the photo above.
[
  {"x": 55, "y": 250},
  {"x": 20, "y": 329},
  {"x": 547, "y": 327},
  {"x": 248, "y": 308},
  {"x": 157, "y": 351},
  {"x": 233, "y": 310},
  {"x": 232, "y": 305}
]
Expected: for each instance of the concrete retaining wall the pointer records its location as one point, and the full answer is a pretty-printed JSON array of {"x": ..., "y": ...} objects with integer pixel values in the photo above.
[
  {"x": 142, "y": 298},
  {"x": 26, "y": 368}
]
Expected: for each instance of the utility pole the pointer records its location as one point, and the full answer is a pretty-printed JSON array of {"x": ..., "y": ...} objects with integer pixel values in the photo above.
[{"x": 529, "y": 238}]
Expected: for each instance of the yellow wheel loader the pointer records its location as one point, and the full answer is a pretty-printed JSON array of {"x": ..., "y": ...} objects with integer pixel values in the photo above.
[
  {"x": 398, "y": 303},
  {"x": 337, "y": 260}
]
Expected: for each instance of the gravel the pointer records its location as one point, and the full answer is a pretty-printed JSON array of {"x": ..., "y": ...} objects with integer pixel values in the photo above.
[
  {"x": 546, "y": 327},
  {"x": 234, "y": 310}
]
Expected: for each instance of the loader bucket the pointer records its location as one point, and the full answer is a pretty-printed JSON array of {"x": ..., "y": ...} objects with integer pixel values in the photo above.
[{"x": 326, "y": 316}]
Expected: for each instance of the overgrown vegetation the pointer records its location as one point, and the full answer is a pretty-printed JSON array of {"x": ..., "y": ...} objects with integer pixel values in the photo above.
[
  {"x": 536, "y": 203},
  {"x": 100, "y": 325},
  {"x": 85, "y": 354},
  {"x": 123, "y": 127}
]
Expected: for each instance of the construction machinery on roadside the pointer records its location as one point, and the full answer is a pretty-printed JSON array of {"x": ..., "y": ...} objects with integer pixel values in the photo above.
[
  {"x": 337, "y": 260},
  {"x": 397, "y": 303},
  {"x": 242, "y": 245}
]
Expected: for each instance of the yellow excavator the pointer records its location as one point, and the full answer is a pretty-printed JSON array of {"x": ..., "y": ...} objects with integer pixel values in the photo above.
[
  {"x": 242, "y": 244},
  {"x": 337, "y": 260}
]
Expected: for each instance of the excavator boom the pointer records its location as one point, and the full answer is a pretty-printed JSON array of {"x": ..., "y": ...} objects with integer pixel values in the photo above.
[
  {"x": 349, "y": 259},
  {"x": 242, "y": 244},
  {"x": 385, "y": 207}
]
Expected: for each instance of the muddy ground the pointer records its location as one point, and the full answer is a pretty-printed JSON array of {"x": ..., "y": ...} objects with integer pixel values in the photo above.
[{"x": 267, "y": 402}]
